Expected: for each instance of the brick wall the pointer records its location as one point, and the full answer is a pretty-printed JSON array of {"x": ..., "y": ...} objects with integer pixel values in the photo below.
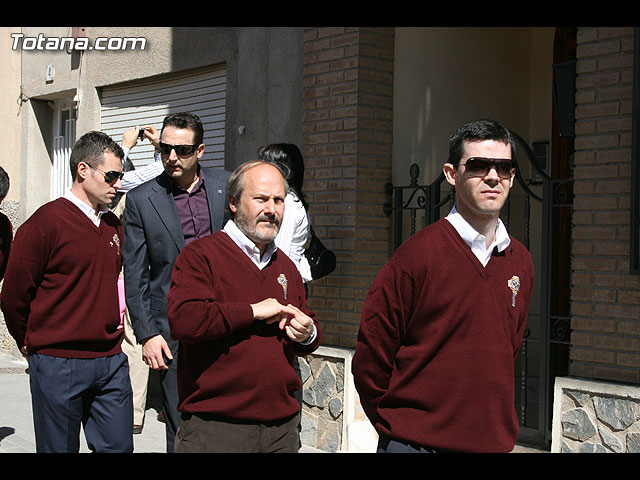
[
  {"x": 347, "y": 138},
  {"x": 605, "y": 304}
]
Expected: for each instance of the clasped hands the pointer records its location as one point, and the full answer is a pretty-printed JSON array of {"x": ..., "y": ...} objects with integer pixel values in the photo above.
[{"x": 297, "y": 325}]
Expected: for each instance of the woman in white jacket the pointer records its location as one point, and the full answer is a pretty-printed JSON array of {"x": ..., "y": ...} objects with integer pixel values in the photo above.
[{"x": 295, "y": 227}]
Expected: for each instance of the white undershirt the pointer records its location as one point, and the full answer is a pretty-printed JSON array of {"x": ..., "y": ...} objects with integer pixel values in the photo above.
[
  {"x": 477, "y": 241},
  {"x": 86, "y": 209},
  {"x": 248, "y": 247}
]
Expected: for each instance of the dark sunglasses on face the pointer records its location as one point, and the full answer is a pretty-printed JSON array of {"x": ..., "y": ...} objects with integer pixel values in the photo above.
[
  {"x": 181, "y": 150},
  {"x": 112, "y": 176},
  {"x": 480, "y": 166}
]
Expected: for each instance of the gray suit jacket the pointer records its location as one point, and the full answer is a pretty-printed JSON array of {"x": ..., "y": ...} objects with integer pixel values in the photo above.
[{"x": 152, "y": 241}]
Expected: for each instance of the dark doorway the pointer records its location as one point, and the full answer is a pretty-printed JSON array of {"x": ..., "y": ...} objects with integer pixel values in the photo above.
[{"x": 538, "y": 214}]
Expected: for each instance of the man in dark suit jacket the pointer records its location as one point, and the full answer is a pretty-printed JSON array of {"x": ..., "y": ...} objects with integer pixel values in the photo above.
[{"x": 183, "y": 203}]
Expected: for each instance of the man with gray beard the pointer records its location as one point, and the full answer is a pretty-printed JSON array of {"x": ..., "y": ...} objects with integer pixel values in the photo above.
[{"x": 238, "y": 307}]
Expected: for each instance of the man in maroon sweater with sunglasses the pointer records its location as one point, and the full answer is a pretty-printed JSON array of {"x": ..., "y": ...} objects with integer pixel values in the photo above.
[
  {"x": 444, "y": 318},
  {"x": 238, "y": 307},
  {"x": 60, "y": 302}
]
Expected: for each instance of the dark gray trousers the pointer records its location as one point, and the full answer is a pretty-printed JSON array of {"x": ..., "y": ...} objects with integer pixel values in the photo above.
[
  {"x": 388, "y": 445},
  {"x": 205, "y": 434}
]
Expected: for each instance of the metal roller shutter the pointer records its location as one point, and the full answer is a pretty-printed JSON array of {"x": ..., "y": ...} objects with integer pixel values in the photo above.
[{"x": 148, "y": 101}]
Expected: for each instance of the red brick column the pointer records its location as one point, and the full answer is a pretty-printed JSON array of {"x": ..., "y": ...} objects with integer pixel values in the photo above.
[
  {"x": 605, "y": 297},
  {"x": 347, "y": 138}
]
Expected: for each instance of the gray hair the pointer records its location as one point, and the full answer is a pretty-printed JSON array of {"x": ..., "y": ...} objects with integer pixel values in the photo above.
[{"x": 236, "y": 180}]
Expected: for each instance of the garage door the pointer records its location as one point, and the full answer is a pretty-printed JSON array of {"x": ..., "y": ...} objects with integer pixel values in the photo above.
[{"x": 148, "y": 101}]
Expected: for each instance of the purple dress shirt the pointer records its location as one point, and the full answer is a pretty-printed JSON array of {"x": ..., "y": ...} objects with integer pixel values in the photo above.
[{"x": 193, "y": 210}]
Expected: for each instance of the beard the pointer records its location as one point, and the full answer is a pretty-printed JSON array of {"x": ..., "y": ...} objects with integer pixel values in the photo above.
[{"x": 264, "y": 230}]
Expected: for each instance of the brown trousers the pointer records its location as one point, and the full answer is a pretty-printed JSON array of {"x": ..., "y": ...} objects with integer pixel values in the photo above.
[{"x": 204, "y": 434}]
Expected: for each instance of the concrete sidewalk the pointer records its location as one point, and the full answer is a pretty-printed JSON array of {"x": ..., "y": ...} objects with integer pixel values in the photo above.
[{"x": 16, "y": 420}]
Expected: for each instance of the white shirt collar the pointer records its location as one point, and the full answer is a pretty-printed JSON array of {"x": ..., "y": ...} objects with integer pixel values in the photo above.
[
  {"x": 475, "y": 240},
  {"x": 86, "y": 209},
  {"x": 248, "y": 247}
]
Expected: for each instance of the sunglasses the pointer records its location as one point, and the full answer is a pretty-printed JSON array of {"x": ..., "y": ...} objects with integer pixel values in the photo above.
[
  {"x": 112, "y": 176},
  {"x": 181, "y": 150},
  {"x": 480, "y": 166}
]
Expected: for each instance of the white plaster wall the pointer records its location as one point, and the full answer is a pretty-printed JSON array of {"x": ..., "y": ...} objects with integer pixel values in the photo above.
[{"x": 445, "y": 76}]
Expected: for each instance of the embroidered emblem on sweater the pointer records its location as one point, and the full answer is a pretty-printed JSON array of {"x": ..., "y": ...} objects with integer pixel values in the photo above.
[
  {"x": 282, "y": 280},
  {"x": 514, "y": 284},
  {"x": 115, "y": 241}
]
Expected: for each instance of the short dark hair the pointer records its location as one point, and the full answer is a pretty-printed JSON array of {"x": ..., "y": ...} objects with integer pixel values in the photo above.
[
  {"x": 4, "y": 183},
  {"x": 477, "y": 131},
  {"x": 185, "y": 120},
  {"x": 90, "y": 148}
]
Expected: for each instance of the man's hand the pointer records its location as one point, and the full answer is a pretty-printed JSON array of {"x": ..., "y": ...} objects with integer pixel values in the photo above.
[
  {"x": 292, "y": 320},
  {"x": 130, "y": 137},
  {"x": 271, "y": 311},
  {"x": 152, "y": 350},
  {"x": 25, "y": 354},
  {"x": 300, "y": 327},
  {"x": 152, "y": 135}
]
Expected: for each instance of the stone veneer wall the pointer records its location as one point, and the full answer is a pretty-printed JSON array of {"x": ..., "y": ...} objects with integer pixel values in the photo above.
[
  {"x": 332, "y": 418},
  {"x": 595, "y": 417}
]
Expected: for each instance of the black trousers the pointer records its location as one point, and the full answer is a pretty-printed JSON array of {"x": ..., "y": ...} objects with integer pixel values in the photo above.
[
  {"x": 207, "y": 434},
  {"x": 388, "y": 445}
]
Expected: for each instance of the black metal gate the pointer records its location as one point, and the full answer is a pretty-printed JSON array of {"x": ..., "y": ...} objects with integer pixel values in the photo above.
[{"x": 538, "y": 213}]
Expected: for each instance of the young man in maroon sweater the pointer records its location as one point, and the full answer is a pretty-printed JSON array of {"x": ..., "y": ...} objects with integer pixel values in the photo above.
[
  {"x": 60, "y": 302},
  {"x": 444, "y": 318},
  {"x": 237, "y": 305}
]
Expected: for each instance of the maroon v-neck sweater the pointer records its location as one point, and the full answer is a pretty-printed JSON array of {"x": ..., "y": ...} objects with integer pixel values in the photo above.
[
  {"x": 229, "y": 364},
  {"x": 60, "y": 293},
  {"x": 438, "y": 337}
]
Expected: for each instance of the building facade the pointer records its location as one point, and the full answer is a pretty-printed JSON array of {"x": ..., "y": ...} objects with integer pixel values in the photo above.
[{"x": 366, "y": 104}]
